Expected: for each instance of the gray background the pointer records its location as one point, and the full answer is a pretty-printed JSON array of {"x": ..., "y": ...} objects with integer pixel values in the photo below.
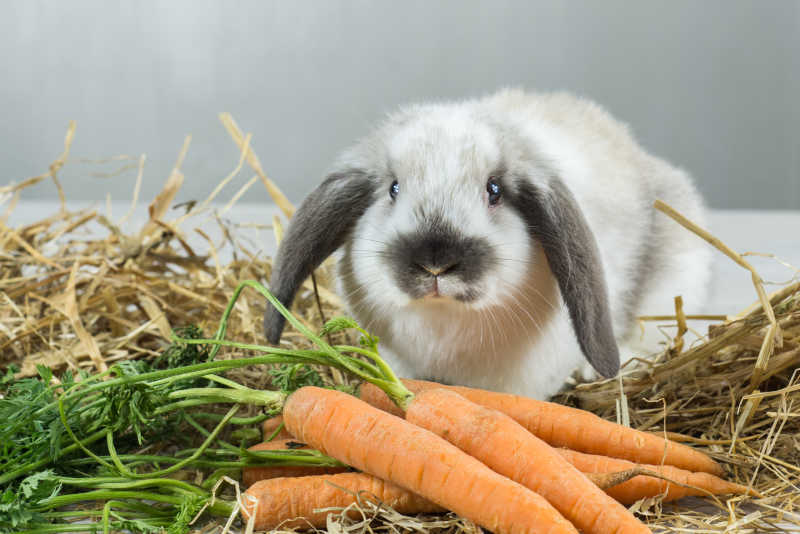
[{"x": 712, "y": 86}]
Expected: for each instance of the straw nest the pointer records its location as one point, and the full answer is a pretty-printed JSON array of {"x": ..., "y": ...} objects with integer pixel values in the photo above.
[{"x": 80, "y": 292}]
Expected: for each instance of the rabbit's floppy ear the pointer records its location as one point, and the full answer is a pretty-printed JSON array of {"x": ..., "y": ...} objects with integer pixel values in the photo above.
[
  {"x": 554, "y": 218},
  {"x": 318, "y": 228}
]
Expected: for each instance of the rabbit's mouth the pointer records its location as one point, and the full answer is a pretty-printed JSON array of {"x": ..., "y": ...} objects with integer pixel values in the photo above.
[{"x": 441, "y": 289}]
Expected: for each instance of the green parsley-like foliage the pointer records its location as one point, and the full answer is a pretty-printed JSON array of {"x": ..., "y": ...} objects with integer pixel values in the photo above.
[
  {"x": 131, "y": 406},
  {"x": 337, "y": 324},
  {"x": 289, "y": 377},
  {"x": 30, "y": 427},
  {"x": 30, "y": 424},
  {"x": 8, "y": 378},
  {"x": 189, "y": 508},
  {"x": 136, "y": 525},
  {"x": 18, "y": 504},
  {"x": 180, "y": 354}
]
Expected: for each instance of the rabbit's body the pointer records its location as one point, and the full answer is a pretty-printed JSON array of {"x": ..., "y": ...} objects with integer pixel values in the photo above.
[{"x": 574, "y": 225}]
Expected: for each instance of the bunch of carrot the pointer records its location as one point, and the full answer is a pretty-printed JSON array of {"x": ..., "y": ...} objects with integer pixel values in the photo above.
[
  {"x": 487, "y": 456},
  {"x": 571, "y": 481}
]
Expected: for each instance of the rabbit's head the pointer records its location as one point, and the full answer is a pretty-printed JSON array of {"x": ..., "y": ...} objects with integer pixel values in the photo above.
[{"x": 447, "y": 209}]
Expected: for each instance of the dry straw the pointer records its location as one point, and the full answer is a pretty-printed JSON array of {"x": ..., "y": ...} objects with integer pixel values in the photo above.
[{"x": 79, "y": 299}]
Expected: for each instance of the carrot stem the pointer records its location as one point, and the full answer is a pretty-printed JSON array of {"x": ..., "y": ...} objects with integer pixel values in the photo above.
[
  {"x": 127, "y": 472},
  {"x": 384, "y": 378},
  {"x": 16, "y": 473},
  {"x": 379, "y": 374},
  {"x": 126, "y": 483},
  {"x": 272, "y": 400},
  {"x": 243, "y": 421},
  {"x": 252, "y": 474},
  {"x": 275, "y": 433}
]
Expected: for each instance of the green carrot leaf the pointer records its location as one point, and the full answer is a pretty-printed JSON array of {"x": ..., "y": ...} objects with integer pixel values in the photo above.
[
  {"x": 40, "y": 486},
  {"x": 18, "y": 507},
  {"x": 189, "y": 508},
  {"x": 181, "y": 354},
  {"x": 8, "y": 378},
  {"x": 289, "y": 377},
  {"x": 337, "y": 324}
]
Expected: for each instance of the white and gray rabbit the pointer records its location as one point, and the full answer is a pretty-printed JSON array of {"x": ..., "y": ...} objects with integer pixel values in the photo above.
[{"x": 504, "y": 242}]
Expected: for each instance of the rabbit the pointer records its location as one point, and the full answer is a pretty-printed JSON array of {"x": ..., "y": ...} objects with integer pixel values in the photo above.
[{"x": 507, "y": 242}]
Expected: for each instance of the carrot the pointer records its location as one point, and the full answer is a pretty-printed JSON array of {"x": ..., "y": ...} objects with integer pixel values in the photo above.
[
  {"x": 642, "y": 486},
  {"x": 253, "y": 474},
  {"x": 284, "y": 501},
  {"x": 348, "y": 429},
  {"x": 562, "y": 426},
  {"x": 508, "y": 448},
  {"x": 273, "y": 425}
]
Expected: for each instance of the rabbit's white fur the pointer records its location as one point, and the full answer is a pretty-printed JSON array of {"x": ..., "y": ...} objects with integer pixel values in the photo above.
[{"x": 517, "y": 336}]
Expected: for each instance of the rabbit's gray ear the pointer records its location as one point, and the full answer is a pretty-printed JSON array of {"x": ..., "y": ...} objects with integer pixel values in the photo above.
[
  {"x": 317, "y": 229},
  {"x": 555, "y": 220}
]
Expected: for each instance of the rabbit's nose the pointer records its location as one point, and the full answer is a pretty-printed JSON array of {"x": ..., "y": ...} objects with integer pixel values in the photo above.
[{"x": 436, "y": 270}]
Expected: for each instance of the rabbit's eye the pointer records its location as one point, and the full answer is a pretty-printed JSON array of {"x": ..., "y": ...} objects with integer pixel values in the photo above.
[
  {"x": 394, "y": 189},
  {"x": 494, "y": 190}
]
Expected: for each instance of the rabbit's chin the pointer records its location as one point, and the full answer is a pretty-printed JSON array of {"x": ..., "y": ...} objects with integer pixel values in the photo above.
[
  {"x": 454, "y": 296},
  {"x": 446, "y": 290},
  {"x": 445, "y": 303}
]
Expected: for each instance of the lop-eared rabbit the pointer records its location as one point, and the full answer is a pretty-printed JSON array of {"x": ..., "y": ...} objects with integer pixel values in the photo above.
[{"x": 506, "y": 242}]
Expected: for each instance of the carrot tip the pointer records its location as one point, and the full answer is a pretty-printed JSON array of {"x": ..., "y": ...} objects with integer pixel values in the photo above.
[{"x": 752, "y": 492}]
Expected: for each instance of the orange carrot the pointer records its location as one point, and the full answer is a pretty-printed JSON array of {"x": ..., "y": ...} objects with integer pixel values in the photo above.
[
  {"x": 284, "y": 501},
  {"x": 253, "y": 474},
  {"x": 271, "y": 425},
  {"x": 393, "y": 449},
  {"x": 562, "y": 426},
  {"x": 642, "y": 486},
  {"x": 508, "y": 448}
]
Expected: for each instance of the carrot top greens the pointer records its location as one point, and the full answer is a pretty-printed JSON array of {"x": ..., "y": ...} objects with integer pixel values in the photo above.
[{"x": 75, "y": 439}]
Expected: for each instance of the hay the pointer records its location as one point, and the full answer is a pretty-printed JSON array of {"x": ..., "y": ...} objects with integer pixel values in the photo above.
[{"x": 81, "y": 292}]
